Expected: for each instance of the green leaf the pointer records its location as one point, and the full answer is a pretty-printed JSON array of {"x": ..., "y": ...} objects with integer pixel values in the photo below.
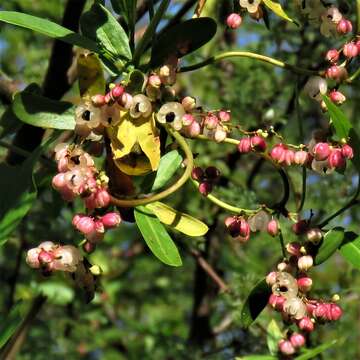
[
  {"x": 309, "y": 354},
  {"x": 150, "y": 31},
  {"x": 350, "y": 249},
  {"x": 169, "y": 163},
  {"x": 255, "y": 303},
  {"x": 126, "y": 8},
  {"x": 137, "y": 82},
  {"x": 343, "y": 129},
  {"x": 341, "y": 123},
  {"x": 330, "y": 243},
  {"x": 40, "y": 111},
  {"x": 274, "y": 335},
  {"x": 58, "y": 293},
  {"x": 47, "y": 28},
  {"x": 9, "y": 123},
  {"x": 156, "y": 237},
  {"x": 100, "y": 25},
  {"x": 9, "y": 324},
  {"x": 177, "y": 220},
  {"x": 182, "y": 39},
  {"x": 277, "y": 9}
]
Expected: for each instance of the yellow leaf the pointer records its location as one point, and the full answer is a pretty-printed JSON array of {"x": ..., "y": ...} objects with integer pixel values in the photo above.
[
  {"x": 90, "y": 74},
  {"x": 277, "y": 9},
  {"x": 135, "y": 144},
  {"x": 182, "y": 222}
]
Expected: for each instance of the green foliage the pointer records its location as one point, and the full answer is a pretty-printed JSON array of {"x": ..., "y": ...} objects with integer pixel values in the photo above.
[{"x": 330, "y": 243}]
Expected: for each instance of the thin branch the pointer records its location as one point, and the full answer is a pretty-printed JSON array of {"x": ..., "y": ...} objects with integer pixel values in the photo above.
[
  {"x": 210, "y": 271},
  {"x": 246, "y": 54}
]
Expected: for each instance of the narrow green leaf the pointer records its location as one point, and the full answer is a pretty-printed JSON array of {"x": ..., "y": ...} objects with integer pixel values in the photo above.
[
  {"x": 255, "y": 303},
  {"x": 150, "y": 31},
  {"x": 341, "y": 123},
  {"x": 274, "y": 335},
  {"x": 182, "y": 39},
  {"x": 350, "y": 249},
  {"x": 126, "y": 8},
  {"x": 9, "y": 324},
  {"x": 47, "y": 28},
  {"x": 309, "y": 354},
  {"x": 156, "y": 237},
  {"x": 177, "y": 220},
  {"x": 169, "y": 163},
  {"x": 277, "y": 9},
  {"x": 330, "y": 243},
  {"x": 99, "y": 25},
  {"x": 40, "y": 111}
]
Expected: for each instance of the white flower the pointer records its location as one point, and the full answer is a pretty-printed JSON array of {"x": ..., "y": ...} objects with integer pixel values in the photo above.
[
  {"x": 315, "y": 87},
  {"x": 67, "y": 258},
  {"x": 285, "y": 285},
  {"x": 171, "y": 112},
  {"x": 141, "y": 106},
  {"x": 32, "y": 258},
  {"x": 295, "y": 308},
  {"x": 322, "y": 167},
  {"x": 250, "y": 5},
  {"x": 87, "y": 118}
]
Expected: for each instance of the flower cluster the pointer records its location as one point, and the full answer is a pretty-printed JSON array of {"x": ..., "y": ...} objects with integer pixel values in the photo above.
[
  {"x": 207, "y": 178},
  {"x": 290, "y": 286},
  {"x": 51, "y": 257}
]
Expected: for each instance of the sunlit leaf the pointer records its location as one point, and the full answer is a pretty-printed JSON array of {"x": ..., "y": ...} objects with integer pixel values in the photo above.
[
  {"x": 90, "y": 75},
  {"x": 330, "y": 243},
  {"x": 156, "y": 237},
  {"x": 274, "y": 335},
  {"x": 277, "y": 9},
  {"x": 47, "y": 28},
  {"x": 350, "y": 249},
  {"x": 178, "y": 220}
]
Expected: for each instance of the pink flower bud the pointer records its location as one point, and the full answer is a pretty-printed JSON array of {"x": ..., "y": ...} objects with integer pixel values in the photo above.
[
  {"x": 99, "y": 226},
  {"x": 305, "y": 262},
  {"x": 258, "y": 143},
  {"x": 332, "y": 56},
  {"x": 197, "y": 173},
  {"x": 306, "y": 324},
  {"x": 108, "y": 99},
  {"x": 244, "y": 229},
  {"x": 102, "y": 197},
  {"x": 350, "y": 50},
  {"x": 271, "y": 278},
  {"x": 293, "y": 248},
  {"x": 300, "y": 227},
  {"x": 301, "y": 157},
  {"x": 211, "y": 122},
  {"x": 344, "y": 26},
  {"x": 337, "y": 97},
  {"x": 89, "y": 247},
  {"x": 125, "y": 101},
  {"x": 194, "y": 129},
  {"x": 304, "y": 284},
  {"x": 321, "y": 151},
  {"x": 98, "y": 100},
  {"x": 321, "y": 312},
  {"x": 277, "y": 302},
  {"x": 358, "y": 45},
  {"x": 32, "y": 257},
  {"x": 224, "y": 115},
  {"x": 154, "y": 81},
  {"x": 278, "y": 153},
  {"x": 244, "y": 145},
  {"x": 111, "y": 220},
  {"x": 336, "y": 159},
  {"x": 337, "y": 73},
  {"x": 347, "y": 151},
  {"x": 314, "y": 235},
  {"x": 286, "y": 348},
  {"x": 233, "y": 21},
  {"x": 187, "y": 119},
  {"x": 188, "y": 103},
  {"x": 45, "y": 257},
  {"x": 297, "y": 340},
  {"x": 233, "y": 225},
  {"x": 335, "y": 312},
  {"x": 289, "y": 157},
  {"x": 205, "y": 188},
  {"x": 59, "y": 181},
  {"x": 311, "y": 306},
  {"x": 273, "y": 228},
  {"x": 85, "y": 224},
  {"x": 117, "y": 92}
]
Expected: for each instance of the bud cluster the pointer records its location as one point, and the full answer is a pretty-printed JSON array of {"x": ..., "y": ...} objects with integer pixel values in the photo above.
[
  {"x": 207, "y": 178},
  {"x": 51, "y": 257}
]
